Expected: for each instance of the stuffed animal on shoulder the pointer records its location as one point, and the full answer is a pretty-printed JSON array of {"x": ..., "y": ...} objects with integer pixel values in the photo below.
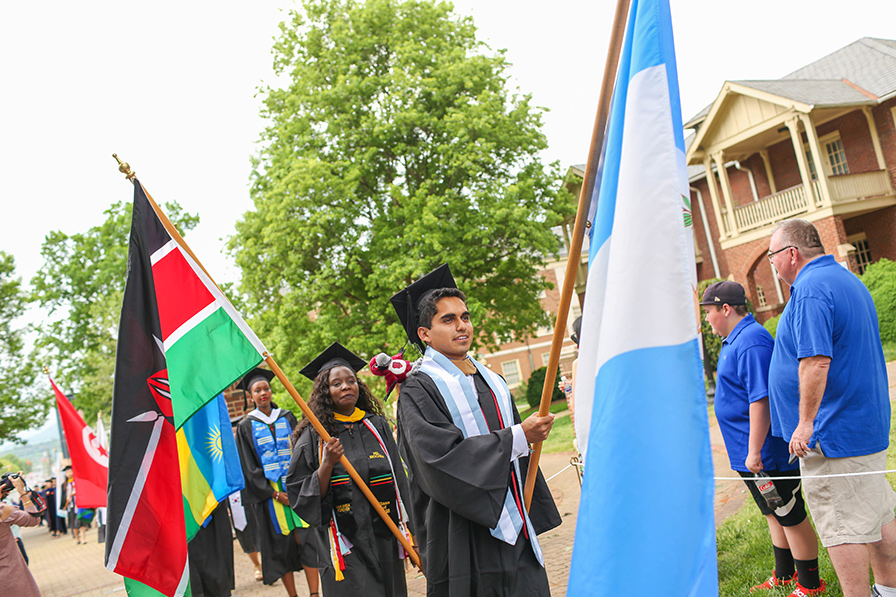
[{"x": 395, "y": 369}]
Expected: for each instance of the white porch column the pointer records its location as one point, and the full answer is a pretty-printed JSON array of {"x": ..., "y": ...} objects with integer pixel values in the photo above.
[
  {"x": 875, "y": 138},
  {"x": 714, "y": 196},
  {"x": 726, "y": 191},
  {"x": 793, "y": 124},
  {"x": 768, "y": 171},
  {"x": 815, "y": 149}
]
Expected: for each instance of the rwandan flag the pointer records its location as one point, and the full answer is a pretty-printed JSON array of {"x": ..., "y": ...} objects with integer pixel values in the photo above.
[
  {"x": 180, "y": 343},
  {"x": 646, "y": 511},
  {"x": 209, "y": 463}
]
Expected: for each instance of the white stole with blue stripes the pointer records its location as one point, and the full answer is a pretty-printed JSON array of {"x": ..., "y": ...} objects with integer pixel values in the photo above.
[{"x": 460, "y": 396}]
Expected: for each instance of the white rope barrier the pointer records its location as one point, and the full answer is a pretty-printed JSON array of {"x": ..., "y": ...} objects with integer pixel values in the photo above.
[
  {"x": 800, "y": 477},
  {"x": 558, "y": 472}
]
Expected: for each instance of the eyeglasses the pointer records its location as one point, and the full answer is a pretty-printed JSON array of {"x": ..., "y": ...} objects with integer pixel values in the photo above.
[{"x": 773, "y": 253}]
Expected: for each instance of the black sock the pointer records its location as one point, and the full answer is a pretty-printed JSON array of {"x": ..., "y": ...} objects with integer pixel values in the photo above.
[
  {"x": 783, "y": 563},
  {"x": 807, "y": 570}
]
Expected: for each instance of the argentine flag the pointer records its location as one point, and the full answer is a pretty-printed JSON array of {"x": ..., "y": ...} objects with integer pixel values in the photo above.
[{"x": 645, "y": 520}]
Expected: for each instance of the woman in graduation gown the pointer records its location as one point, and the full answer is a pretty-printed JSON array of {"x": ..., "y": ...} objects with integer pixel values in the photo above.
[
  {"x": 369, "y": 558},
  {"x": 284, "y": 540}
]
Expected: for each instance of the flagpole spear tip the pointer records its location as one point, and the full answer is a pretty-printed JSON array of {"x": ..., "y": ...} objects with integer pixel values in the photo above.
[{"x": 124, "y": 168}]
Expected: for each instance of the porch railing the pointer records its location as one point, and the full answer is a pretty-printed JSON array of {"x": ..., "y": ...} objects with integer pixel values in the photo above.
[{"x": 767, "y": 210}]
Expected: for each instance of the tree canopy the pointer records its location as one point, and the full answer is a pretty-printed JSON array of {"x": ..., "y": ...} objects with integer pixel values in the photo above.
[
  {"x": 81, "y": 284},
  {"x": 395, "y": 146},
  {"x": 20, "y": 408}
]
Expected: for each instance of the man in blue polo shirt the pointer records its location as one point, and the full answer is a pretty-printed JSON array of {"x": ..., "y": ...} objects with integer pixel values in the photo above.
[
  {"x": 829, "y": 399},
  {"x": 742, "y": 410}
]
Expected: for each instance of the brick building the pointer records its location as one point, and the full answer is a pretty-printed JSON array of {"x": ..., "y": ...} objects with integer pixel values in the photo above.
[
  {"x": 517, "y": 360},
  {"x": 819, "y": 144}
]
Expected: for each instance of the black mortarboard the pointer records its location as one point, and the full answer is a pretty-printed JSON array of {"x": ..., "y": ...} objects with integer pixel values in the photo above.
[
  {"x": 250, "y": 378},
  {"x": 334, "y": 356},
  {"x": 405, "y": 301}
]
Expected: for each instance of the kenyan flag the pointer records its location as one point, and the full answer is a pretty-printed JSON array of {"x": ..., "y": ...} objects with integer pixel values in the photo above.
[
  {"x": 180, "y": 343},
  {"x": 207, "y": 344}
]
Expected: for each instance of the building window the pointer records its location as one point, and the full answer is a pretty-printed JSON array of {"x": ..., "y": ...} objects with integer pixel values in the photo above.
[
  {"x": 545, "y": 359},
  {"x": 863, "y": 253},
  {"x": 812, "y": 174},
  {"x": 836, "y": 156},
  {"x": 511, "y": 370},
  {"x": 760, "y": 295}
]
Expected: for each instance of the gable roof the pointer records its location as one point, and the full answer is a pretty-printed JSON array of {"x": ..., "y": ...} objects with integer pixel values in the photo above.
[
  {"x": 870, "y": 63},
  {"x": 837, "y": 79},
  {"x": 812, "y": 92}
]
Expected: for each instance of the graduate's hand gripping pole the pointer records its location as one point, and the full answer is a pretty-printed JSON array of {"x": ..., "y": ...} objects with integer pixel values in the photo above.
[
  {"x": 578, "y": 235},
  {"x": 412, "y": 553}
]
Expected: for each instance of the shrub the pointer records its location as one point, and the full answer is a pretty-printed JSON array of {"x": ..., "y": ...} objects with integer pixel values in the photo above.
[
  {"x": 880, "y": 279},
  {"x": 535, "y": 385},
  {"x": 772, "y": 325},
  {"x": 712, "y": 344}
]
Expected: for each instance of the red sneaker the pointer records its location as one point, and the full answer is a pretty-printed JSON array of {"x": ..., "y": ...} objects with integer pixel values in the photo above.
[
  {"x": 801, "y": 591},
  {"x": 773, "y": 582}
]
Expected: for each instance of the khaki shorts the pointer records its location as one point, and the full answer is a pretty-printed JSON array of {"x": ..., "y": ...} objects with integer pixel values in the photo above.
[{"x": 847, "y": 509}]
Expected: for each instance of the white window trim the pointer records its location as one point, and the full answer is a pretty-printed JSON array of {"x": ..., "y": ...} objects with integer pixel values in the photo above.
[
  {"x": 825, "y": 158},
  {"x": 519, "y": 373}
]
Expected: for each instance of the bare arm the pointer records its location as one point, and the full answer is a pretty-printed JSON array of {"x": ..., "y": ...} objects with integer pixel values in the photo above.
[
  {"x": 760, "y": 421},
  {"x": 813, "y": 376}
]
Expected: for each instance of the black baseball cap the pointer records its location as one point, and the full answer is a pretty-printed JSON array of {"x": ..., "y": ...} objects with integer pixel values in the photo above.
[{"x": 725, "y": 292}]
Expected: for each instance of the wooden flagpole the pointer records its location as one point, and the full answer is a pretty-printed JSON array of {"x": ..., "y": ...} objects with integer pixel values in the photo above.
[
  {"x": 578, "y": 236},
  {"x": 269, "y": 359}
]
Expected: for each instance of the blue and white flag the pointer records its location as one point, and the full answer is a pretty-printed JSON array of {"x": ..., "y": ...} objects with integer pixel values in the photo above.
[{"x": 646, "y": 515}]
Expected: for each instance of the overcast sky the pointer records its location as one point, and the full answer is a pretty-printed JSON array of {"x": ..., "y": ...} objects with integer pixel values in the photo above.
[{"x": 170, "y": 86}]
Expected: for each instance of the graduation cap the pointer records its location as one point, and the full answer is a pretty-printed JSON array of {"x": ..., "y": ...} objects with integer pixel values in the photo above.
[
  {"x": 405, "y": 302},
  {"x": 250, "y": 378},
  {"x": 336, "y": 355},
  {"x": 245, "y": 384}
]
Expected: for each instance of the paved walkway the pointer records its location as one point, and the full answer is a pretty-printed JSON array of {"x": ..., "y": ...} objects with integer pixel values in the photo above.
[{"x": 64, "y": 569}]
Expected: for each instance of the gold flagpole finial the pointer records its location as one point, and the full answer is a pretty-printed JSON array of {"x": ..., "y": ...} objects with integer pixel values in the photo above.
[
  {"x": 124, "y": 168},
  {"x": 46, "y": 370}
]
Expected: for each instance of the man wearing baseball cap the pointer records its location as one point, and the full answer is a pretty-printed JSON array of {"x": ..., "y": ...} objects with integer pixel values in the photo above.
[{"x": 741, "y": 407}]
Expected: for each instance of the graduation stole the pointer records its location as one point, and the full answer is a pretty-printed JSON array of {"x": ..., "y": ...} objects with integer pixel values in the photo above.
[
  {"x": 463, "y": 405},
  {"x": 274, "y": 453},
  {"x": 382, "y": 485}
]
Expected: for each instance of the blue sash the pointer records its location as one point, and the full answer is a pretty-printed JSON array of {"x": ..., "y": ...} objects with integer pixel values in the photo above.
[{"x": 273, "y": 452}]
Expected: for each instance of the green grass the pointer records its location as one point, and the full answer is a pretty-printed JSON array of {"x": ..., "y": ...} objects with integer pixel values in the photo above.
[
  {"x": 890, "y": 351},
  {"x": 745, "y": 549},
  {"x": 746, "y": 557},
  {"x": 562, "y": 433}
]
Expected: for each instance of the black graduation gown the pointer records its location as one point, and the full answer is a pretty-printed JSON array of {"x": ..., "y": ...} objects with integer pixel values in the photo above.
[
  {"x": 279, "y": 553},
  {"x": 458, "y": 486},
  {"x": 211, "y": 557},
  {"x": 373, "y": 568}
]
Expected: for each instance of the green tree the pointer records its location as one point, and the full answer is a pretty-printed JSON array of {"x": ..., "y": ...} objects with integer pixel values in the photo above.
[
  {"x": 81, "y": 284},
  {"x": 536, "y": 386},
  {"x": 394, "y": 147},
  {"x": 880, "y": 279},
  {"x": 712, "y": 344},
  {"x": 20, "y": 408},
  {"x": 10, "y": 463}
]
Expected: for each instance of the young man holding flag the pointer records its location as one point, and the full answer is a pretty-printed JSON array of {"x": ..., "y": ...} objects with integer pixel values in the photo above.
[{"x": 467, "y": 452}]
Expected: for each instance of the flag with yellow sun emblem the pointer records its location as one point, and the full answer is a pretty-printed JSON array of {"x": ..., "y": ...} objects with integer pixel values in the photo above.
[{"x": 209, "y": 463}]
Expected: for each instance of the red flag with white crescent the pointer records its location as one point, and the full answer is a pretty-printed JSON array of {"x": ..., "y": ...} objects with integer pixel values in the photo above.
[{"x": 90, "y": 461}]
